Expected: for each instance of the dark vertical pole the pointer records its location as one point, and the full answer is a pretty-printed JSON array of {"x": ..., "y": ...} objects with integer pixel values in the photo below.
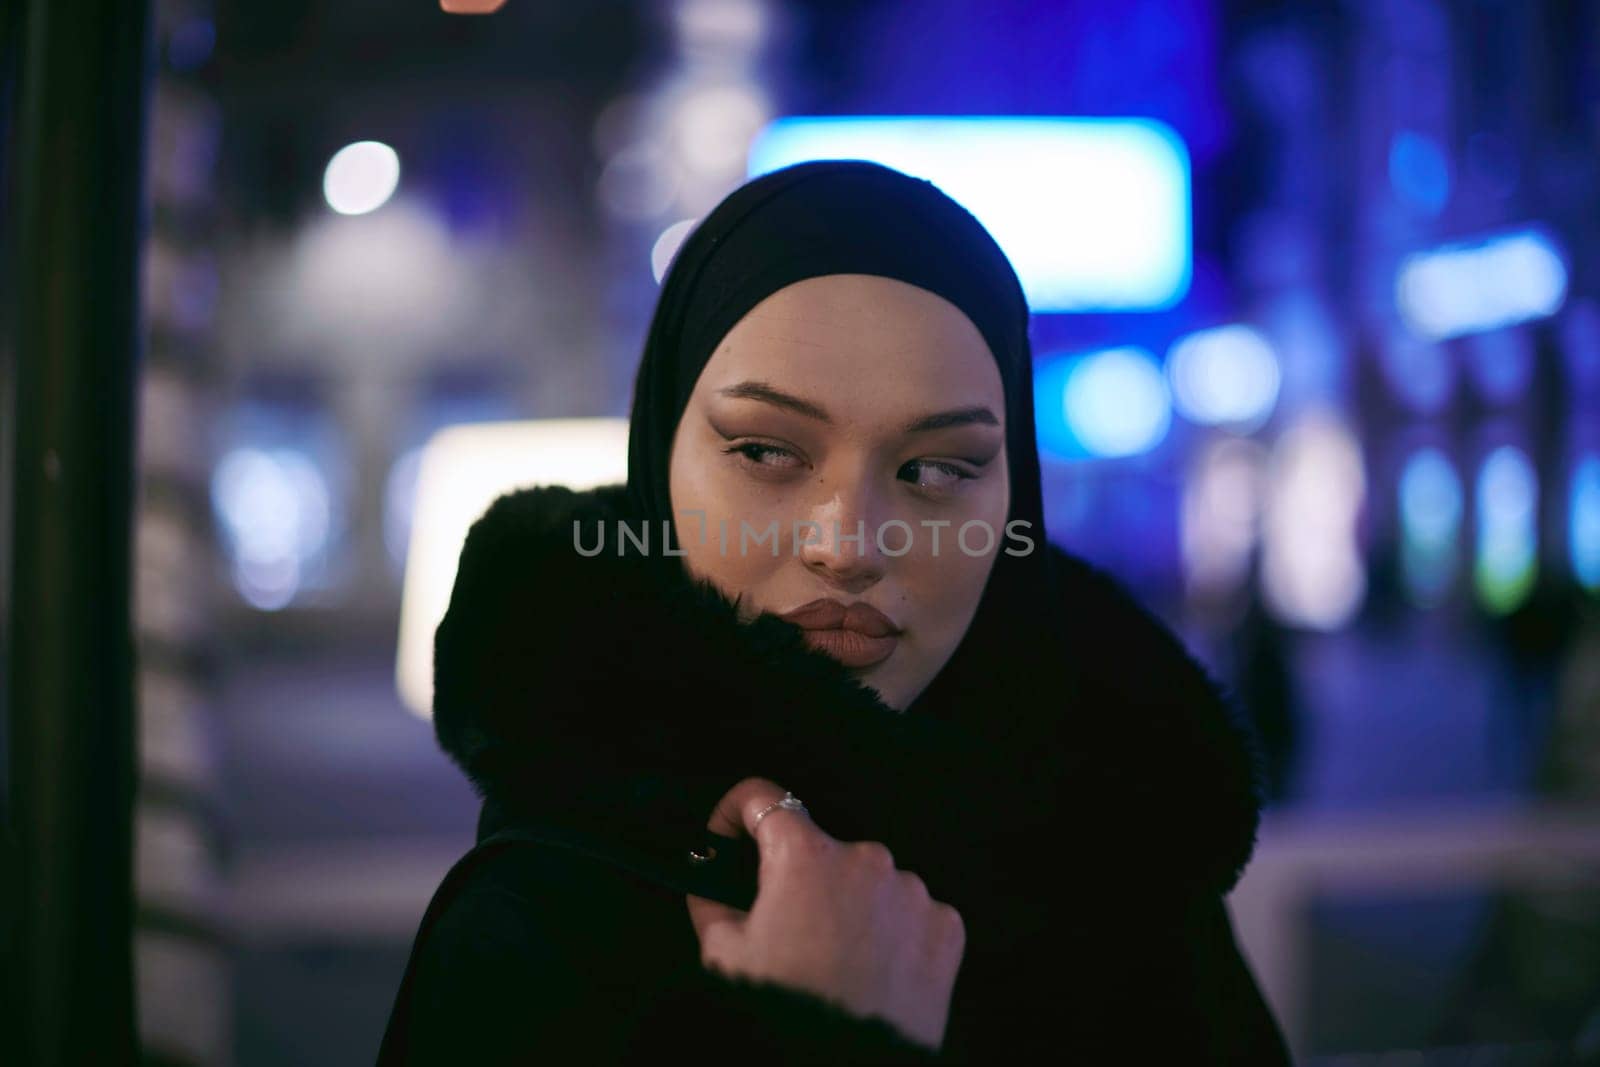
[{"x": 80, "y": 221}]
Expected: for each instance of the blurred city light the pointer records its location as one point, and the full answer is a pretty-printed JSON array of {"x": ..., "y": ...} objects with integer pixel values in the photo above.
[
  {"x": 1227, "y": 376},
  {"x": 1484, "y": 285},
  {"x": 721, "y": 32},
  {"x": 667, "y": 245},
  {"x": 713, "y": 125},
  {"x": 1094, "y": 214},
  {"x": 275, "y": 510},
  {"x": 1430, "y": 524},
  {"x": 1507, "y": 499},
  {"x": 1583, "y": 530},
  {"x": 1311, "y": 567},
  {"x": 463, "y": 470},
  {"x": 1104, "y": 404},
  {"x": 1221, "y": 514},
  {"x": 394, "y": 280},
  {"x": 1419, "y": 171},
  {"x": 361, "y": 177}
]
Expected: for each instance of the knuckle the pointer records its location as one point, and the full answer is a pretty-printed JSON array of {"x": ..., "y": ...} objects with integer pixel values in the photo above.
[
  {"x": 915, "y": 886},
  {"x": 875, "y": 856},
  {"x": 954, "y": 925}
]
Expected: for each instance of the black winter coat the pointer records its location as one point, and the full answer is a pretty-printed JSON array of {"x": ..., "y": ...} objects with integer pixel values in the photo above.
[{"x": 602, "y": 705}]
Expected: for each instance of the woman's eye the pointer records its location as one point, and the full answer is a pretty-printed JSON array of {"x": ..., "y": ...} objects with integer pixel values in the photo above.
[
  {"x": 931, "y": 474},
  {"x": 760, "y": 455}
]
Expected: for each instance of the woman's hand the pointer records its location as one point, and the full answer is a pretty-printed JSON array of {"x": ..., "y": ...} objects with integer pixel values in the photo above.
[{"x": 834, "y": 918}]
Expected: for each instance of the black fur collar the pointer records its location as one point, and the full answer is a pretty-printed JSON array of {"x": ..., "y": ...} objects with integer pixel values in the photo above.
[{"x": 612, "y": 692}]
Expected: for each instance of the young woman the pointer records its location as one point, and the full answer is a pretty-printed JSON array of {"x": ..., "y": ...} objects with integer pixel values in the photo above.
[{"x": 806, "y": 745}]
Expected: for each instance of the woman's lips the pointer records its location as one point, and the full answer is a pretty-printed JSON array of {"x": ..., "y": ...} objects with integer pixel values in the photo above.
[
  {"x": 852, "y": 648},
  {"x": 855, "y": 634}
]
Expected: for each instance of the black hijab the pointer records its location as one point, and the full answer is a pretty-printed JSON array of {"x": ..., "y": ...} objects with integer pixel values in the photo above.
[{"x": 858, "y": 217}]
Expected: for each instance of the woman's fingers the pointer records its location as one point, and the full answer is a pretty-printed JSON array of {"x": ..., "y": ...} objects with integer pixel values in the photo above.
[
  {"x": 740, "y": 811},
  {"x": 707, "y": 916},
  {"x": 834, "y": 918}
]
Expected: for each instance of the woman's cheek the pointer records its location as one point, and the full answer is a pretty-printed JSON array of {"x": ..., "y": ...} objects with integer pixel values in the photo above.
[{"x": 739, "y": 541}]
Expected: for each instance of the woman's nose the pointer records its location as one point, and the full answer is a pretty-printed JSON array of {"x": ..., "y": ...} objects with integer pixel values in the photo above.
[{"x": 841, "y": 544}]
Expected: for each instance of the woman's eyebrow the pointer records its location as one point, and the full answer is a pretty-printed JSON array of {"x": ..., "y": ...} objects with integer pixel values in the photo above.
[
  {"x": 940, "y": 420},
  {"x": 765, "y": 393}
]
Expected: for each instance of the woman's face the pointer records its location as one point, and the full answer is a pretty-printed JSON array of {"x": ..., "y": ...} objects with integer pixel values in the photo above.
[{"x": 841, "y": 405}]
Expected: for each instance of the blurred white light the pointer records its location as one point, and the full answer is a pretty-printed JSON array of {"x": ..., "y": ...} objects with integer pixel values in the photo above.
[
  {"x": 267, "y": 585},
  {"x": 1093, "y": 213},
  {"x": 1221, "y": 513},
  {"x": 361, "y": 177},
  {"x": 1311, "y": 568},
  {"x": 1507, "y": 495},
  {"x": 715, "y": 125},
  {"x": 275, "y": 509},
  {"x": 1507, "y": 487},
  {"x": 1227, "y": 376},
  {"x": 463, "y": 470},
  {"x": 1116, "y": 402},
  {"x": 1583, "y": 532},
  {"x": 389, "y": 282},
  {"x": 729, "y": 31},
  {"x": 667, "y": 245},
  {"x": 1468, "y": 288}
]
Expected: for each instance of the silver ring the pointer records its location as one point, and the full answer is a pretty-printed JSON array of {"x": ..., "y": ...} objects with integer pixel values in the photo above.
[{"x": 790, "y": 802}]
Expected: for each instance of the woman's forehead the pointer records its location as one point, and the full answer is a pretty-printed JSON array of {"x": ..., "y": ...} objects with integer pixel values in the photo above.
[
  {"x": 850, "y": 320},
  {"x": 858, "y": 298}
]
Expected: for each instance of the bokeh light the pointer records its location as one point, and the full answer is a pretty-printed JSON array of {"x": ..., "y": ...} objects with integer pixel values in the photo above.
[
  {"x": 1419, "y": 171},
  {"x": 275, "y": 509},
  {"x": 1583, "y": 523},
  {"x": 361, "y": 177},
  {"x": 1106, "y": 404},
  {"x": 1507, "y": 549},
  {"x": 1221, "y": 516},
  {"x": 667, "y": 245},
  {"x": 1431, "y": 505},
  {"x": 1092, "y": 213},
  {"x": 1226, "y": 376},
  {"x": 1312, "y": 572},
  {"x": 1468, "y": 288}
]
